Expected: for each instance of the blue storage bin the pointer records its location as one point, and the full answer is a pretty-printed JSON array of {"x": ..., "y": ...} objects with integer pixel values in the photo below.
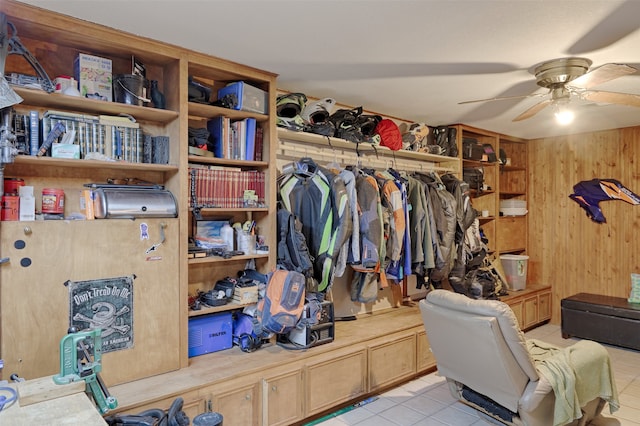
[{"x": 250, "y": 98}]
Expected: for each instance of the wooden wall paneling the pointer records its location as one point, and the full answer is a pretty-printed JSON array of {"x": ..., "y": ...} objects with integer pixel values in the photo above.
[{"x": 567, "y": 249}]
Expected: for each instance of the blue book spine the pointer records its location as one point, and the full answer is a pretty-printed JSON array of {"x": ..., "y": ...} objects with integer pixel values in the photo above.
[
  {"x": 34, "y": 132},
  {"x": 251, "y": 140},
  {"x": 215, "y": 126}
]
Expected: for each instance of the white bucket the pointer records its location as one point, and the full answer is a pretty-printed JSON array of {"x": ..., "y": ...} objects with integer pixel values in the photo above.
[{"x": 515, "y": 268}]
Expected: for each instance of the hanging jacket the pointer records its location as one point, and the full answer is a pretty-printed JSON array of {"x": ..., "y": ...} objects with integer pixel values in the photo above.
[
  {"x": 318, "y": 198},
  {"x": 349, "y": 252},
  {"x": 443, "y": 213}
]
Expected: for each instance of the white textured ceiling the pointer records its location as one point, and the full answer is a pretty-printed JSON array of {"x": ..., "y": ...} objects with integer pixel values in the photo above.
[{"x": 410, "y": 59}]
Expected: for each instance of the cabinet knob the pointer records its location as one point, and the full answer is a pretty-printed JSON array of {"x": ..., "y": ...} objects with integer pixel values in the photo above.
[
  {"x": 274, "y": 388},
  {"x": 27, "y": 230},
  {"x": 247, "y": 397}
]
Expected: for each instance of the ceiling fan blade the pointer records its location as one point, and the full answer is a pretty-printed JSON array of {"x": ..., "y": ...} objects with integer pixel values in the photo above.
[
  {"x": 612, "y": 98},
  {"x": 533, "y": 110},
  {"x": 606, "y": 72},
  {"x": 503, "y": 98},
  {"x": 617, "y": 25}
]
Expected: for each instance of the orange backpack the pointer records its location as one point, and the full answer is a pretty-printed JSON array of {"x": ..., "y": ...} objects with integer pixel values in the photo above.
[{"x": 281, "y": 307}]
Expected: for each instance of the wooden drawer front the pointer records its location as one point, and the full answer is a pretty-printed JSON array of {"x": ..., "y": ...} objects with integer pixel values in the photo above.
[
  {"x": 424, "y": 356},
  {"x": 512, "y": 233},
  {"x": 544, "y": 307},
  {"x": 282, "y": 399},
  {"x": 331, "y": 382},
  {"x": 392, "y": 361}
]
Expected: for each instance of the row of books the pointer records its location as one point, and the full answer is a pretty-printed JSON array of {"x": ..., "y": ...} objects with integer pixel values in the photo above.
[
  {"x": 225, "y": 187},
  {"x": 236, "y": 139},
  {"x": 116, "y": 137}
]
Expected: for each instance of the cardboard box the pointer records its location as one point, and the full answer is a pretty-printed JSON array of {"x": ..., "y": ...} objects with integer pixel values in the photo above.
[
  {"x": 27, "y": 203},
  {"x": 210, "y": 333},
  {"x": 245, "y": 295},
  {"x": 249, "y": 98},
  {"x": 94, "y": 76}
]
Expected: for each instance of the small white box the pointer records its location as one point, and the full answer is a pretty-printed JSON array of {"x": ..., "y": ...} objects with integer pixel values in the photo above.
[
  {"x": 65, "y": 150},
  {"x": 94, "y": 75},
  {"x": 27, "y": 203}
]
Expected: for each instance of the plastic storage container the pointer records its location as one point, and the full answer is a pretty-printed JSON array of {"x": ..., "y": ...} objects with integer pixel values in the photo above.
[
  {"x": 513, "y": 207},
  {"x": 515, "y": 268},
  {"x": 249, "y": 98}
]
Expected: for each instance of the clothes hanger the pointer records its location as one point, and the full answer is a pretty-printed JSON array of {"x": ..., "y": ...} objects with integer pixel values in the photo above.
[{"x": 333, "y": 164}]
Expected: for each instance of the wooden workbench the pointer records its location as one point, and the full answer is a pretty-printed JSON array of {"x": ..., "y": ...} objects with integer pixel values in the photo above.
[{"x": 42, "y": 402}]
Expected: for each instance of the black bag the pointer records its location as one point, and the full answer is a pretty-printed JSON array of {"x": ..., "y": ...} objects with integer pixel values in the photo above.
[
  {"x": 481, "y": 284},
  {"x": 293, "y": 252},
  {"x": 474, "y": 176},
  {"x": 471, "y": 149},
  {"x": 445, "y": 138}
]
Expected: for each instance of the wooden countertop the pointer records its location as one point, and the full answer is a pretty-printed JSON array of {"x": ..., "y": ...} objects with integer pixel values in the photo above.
[{"x": 42, "y": 402}]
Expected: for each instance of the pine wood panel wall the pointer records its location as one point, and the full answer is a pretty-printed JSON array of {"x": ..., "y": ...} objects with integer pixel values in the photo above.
[{"x": 566, "y": 248}]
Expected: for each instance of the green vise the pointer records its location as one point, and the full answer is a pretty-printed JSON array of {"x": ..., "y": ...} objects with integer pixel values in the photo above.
[{"x": 81, "y": 359}]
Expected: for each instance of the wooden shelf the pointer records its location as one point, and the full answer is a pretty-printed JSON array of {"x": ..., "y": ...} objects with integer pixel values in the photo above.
[
  {"x": 199, "y": 110},
  {"x": 89, "y": 164},
  {"x": 445, "y": 163},
  {"x": 219, "y": 210},
  {"x": 39, "y": 98},
  {"x": 216, "y": 259},
  {"x": 226, "y": 162},
  {"x": 214, "y": 309}
]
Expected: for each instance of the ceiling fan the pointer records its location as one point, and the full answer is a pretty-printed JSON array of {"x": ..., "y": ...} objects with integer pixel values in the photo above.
[{"x": 566, "y": 77}]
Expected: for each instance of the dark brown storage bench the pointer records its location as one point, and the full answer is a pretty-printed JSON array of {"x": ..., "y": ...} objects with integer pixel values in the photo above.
[{"x": 605, "y": 319}]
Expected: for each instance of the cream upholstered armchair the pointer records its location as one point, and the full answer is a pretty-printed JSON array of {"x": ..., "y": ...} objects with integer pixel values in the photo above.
[{"x": 490, "y": 366}]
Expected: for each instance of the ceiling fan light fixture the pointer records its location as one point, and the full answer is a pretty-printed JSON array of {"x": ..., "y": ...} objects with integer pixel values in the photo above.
[{"x": 564, "y": 115}]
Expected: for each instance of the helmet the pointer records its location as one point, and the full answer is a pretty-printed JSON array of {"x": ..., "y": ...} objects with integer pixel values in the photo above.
[
  {"x": 318, "y": 111},
  {"x": 288, "y": 109}
]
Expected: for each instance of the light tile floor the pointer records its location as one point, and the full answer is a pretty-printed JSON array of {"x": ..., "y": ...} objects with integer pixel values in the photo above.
[{"x": 426, "y": 401}]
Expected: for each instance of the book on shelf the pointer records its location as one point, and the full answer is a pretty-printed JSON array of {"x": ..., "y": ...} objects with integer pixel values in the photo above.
[
  {"x": 224, "y": 187},
  {"x": 234, "y": 140},
  {"x": 219, "y": 129},
  {"x": 258, "y": 144},
  {"x": 250, "y": 141}
]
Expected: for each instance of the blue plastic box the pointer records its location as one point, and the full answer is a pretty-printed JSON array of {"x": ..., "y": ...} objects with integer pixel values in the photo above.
[
  {"x": 210, "y": 333},
  {"x": 250, "y": 98}
]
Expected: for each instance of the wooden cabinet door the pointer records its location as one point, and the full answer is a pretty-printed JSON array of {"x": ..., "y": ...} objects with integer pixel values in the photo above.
[
  {"x": 238, "y": 405},
  {"x": 517, "y": 308},
  {"x": 282, "y": 399},
  {"x": 46, "y": 257},
  {"x": 544, "y": 306},
  {"x": 424, "y": 356},
  {"x": 530, "y": 317},
  {"x": 392, "y": 361},
  {"x": 333, "y": 381}
]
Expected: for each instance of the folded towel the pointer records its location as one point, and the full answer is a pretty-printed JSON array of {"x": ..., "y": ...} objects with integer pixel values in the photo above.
[{"x": 578, "y": 374}]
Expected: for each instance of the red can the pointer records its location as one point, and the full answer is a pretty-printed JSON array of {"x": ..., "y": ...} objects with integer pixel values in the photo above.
[
  {"x": 52, "y": 200},
  {"x": 12, "y": 185},
  {"x": 10, "y": 207}
]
